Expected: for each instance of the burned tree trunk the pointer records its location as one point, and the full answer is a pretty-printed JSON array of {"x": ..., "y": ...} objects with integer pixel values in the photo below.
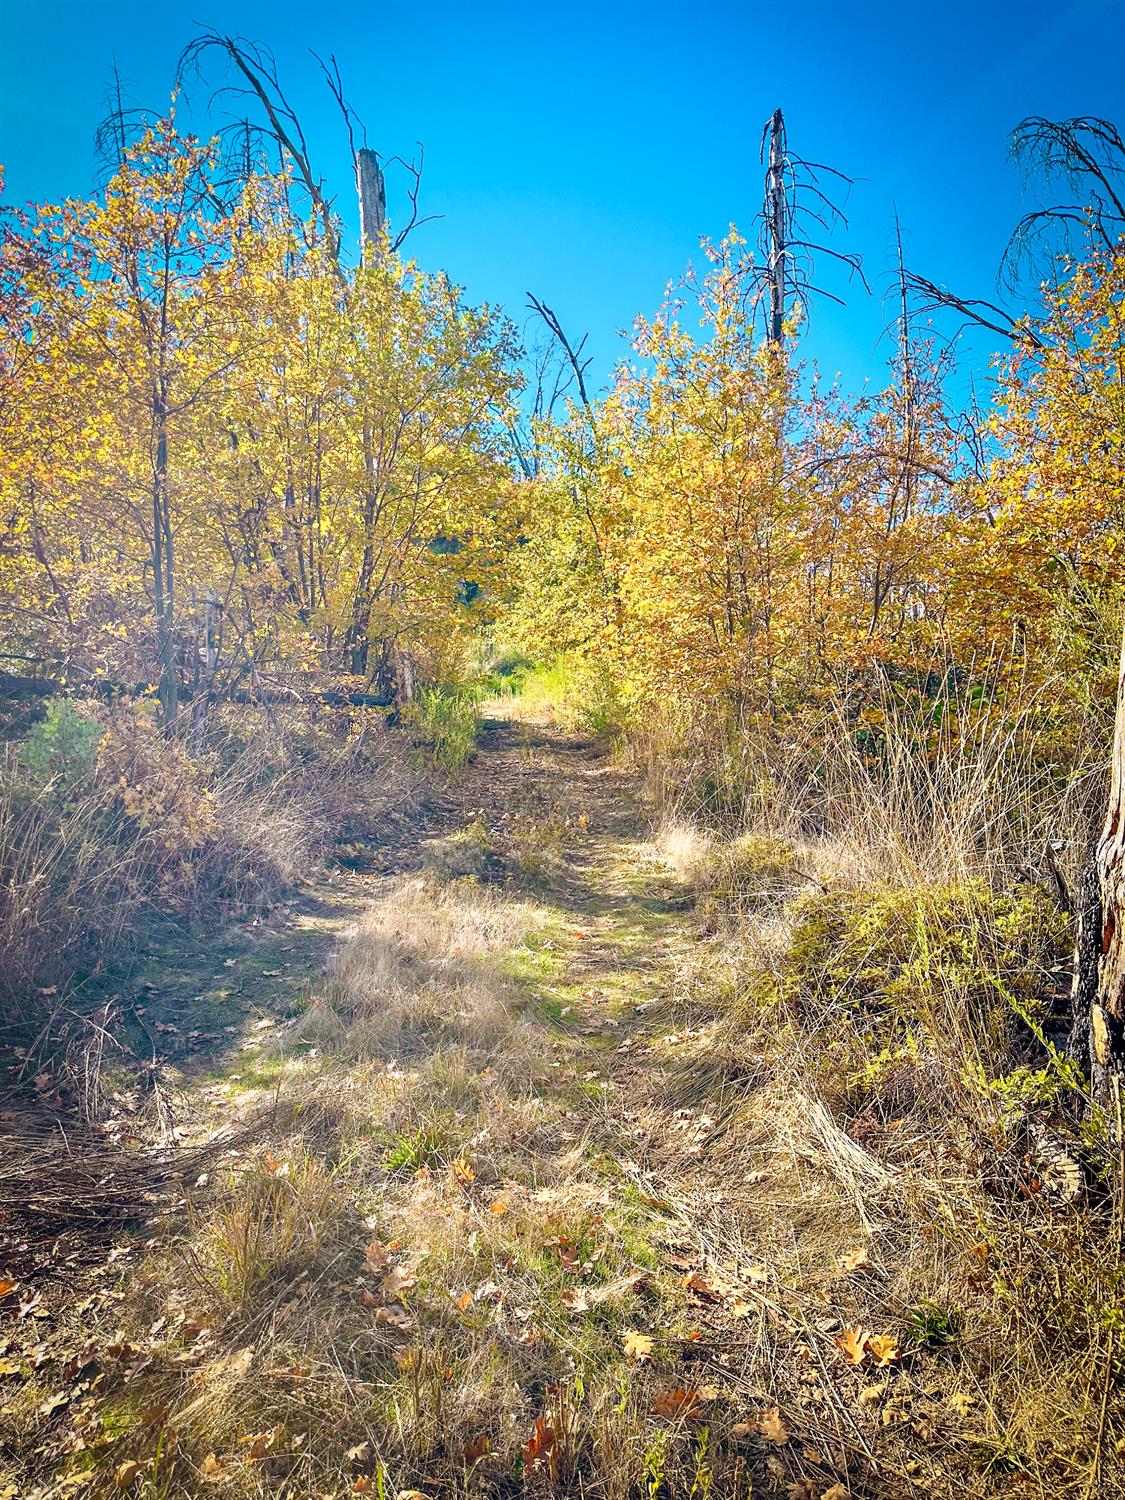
[
  {"x": 1099, "y": 960},
  {"x": 776, "y": 214}
]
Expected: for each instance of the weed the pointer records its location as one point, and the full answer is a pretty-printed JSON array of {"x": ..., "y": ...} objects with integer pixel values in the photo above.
[{"x": 930, "y": 1326}]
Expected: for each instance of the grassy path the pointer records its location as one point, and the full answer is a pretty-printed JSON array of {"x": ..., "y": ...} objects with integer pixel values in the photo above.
[{"x": 490, "y": 1196}]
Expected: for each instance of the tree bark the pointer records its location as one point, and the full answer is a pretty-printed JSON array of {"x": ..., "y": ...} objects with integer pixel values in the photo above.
[{"x": 1099, "y": 966}]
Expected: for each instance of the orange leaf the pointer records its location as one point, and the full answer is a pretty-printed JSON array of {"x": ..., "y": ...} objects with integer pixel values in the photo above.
[
  {"x": 852, "y": 1341},
  {"x": 683, "y": 1403},
  {"x": 883, "y": 1349}
]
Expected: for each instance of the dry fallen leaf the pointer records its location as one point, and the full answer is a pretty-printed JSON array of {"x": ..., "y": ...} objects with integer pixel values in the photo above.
[
  {"x": 125, "y": 1473},
  {"x": 856, "y": 1260},
  {"x": 574, "y": 1299},
  {"x": 682, "y": 1404},
  {"x": 853, "y": 1342},
  {"x": 837, "y": 1492},
  {"x": 397, "y": 1282},
  {"x": 962, "y": 1403},
  {"x": 701, "y": 1287},
  {"x": 637, "y": 1345},
  {"x": 394, "y": 1317},
  {"x": 772, "y": 1426},
  {"x": 883, "y": 1349},
  {"x": 542, "y": 1446},
  {"x": 211, "y": 1469},
  {"x": 461, "y": 1172},
  {"x": 375, "y": 1256}
]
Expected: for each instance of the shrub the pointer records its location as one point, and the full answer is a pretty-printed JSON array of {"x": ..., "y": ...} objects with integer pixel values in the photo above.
[
  {"x": 63, "y": 744},
  {"x": 445, "y": 720}
]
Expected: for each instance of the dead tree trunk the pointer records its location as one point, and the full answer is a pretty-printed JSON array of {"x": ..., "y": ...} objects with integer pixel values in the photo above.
[
  {"x": 372, "y": 199},
  {"x": 372, "y": 222},
  {"x": 777, "y": 203},
  {"x": 1099, "y": 966}
]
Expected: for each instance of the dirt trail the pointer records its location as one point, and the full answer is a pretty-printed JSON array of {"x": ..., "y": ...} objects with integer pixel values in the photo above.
[{"x": 510, "y": 1077}]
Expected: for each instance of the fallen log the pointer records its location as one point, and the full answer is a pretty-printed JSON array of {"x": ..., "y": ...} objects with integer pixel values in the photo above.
[{"x": 14, "y": 686}]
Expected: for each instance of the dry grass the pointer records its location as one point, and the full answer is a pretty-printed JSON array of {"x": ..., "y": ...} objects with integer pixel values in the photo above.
[{"x": 822, "y": 1169}]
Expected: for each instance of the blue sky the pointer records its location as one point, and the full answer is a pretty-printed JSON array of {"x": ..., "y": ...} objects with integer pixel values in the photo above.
[{"x": 581, "y": 151}]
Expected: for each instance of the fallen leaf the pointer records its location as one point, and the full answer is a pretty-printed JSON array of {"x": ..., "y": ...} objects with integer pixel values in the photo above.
[
  {"x": 773, "y": 1427},
  {"x": 461, "y": 1172},
  {"x": 637, "y": 1346},
  {"x": 962, "y": 1403},
  {"x": 477, "y": 1449},
  {"x": 855, "y": 1260},
  {"x": 542, "y": 1446},
  {"x": 394, "y": 1317},
  {"x": 397, "y": 1282},
  {"x": 574, "y": 1299},
  {"x": 212, "y": 1469},
  {"x": 125, "y": 1473},
  {"x": 682, "y": 1404},
  {"x": 883, "y": 1349},
  {"x": 375, "y": 1256},
  {"x": 853, "y": 1343},
  {"x": 837, "y": 1492},
  {"x": 701, "y": 1287},
  {"x": 498, "y": 1207}
]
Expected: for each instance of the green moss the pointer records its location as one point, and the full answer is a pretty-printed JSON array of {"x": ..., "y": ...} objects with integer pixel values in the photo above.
[{"x": 904, "y": 947}]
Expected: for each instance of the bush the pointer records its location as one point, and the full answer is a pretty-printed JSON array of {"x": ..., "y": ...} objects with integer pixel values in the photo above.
[
  {"x": 446, "y": 721},
  {"x": 912, "y": 949},
  {"x": 105, "y": 820},
  {"x": 64, "y": 745},
  {"x": 504, "y": 672}
]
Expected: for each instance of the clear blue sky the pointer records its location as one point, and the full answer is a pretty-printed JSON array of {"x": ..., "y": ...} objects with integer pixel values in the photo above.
[{"x": 581, "y": 150}]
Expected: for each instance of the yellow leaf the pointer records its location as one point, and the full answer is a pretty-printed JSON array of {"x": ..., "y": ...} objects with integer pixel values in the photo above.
[{"x": 637, "y": 1346}]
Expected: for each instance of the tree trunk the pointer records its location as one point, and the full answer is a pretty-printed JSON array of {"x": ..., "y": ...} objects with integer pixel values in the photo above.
[
  {"x": 163, "y": 570},
  {"x": 372, "y": 220},
  {"x": 372, "y": 198},
  {"x": 776, "y": 218},
  {"x": 1099, "y": 965}
]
